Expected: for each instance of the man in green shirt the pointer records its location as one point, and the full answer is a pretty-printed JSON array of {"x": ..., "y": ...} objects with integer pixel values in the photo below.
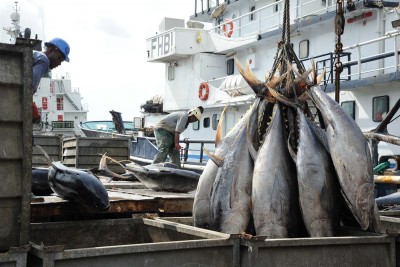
[{"x": 167, "y": 132}]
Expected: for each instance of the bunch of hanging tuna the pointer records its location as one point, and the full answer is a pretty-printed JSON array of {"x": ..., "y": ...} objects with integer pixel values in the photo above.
[{"x": 282, "y": 172}]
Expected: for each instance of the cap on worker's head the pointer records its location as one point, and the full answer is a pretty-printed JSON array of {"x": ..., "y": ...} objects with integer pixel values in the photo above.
[
  {"x": 61, "y": 45},
  {"x": 196, "y": 112}
]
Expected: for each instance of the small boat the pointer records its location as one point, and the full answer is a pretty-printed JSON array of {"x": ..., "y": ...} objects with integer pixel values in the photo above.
[{"x": 114, "y": 128}]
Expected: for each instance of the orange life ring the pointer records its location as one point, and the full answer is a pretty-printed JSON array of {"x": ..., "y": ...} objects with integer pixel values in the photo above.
[
  {"x": 203, "y": 86},
  {"x": 229, "y": 22}
]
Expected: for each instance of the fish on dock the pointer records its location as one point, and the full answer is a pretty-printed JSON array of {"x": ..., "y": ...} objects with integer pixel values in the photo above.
[
  {"x": 158, "y": 177},
  {"x": 79, "y": 186}
]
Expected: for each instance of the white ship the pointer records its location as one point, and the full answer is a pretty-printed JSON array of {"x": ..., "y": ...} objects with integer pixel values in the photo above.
[
  {"x": 60, "y": 105},
  {"x": 199, "y": 57}
]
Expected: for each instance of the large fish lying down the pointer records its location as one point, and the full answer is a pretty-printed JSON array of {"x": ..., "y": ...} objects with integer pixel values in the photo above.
[
  {"x": 78, "y": 186},
  {"x": 165, "y": 177},
  {"x": 275, "y": 207},
  {"x": 40, "y": 182},
  {"x": 351, "y": 157},
  {"x": 319, "y": 193},
  {"x": 231, "y": 193}
]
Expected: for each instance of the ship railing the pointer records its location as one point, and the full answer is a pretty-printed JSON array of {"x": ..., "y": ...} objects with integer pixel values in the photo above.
[
  {"x": 354, "y": 62},
  {"x": 192, "y": 149},
  {"x": 258, "y": 21},
  {"x": 187, "y": 150}
]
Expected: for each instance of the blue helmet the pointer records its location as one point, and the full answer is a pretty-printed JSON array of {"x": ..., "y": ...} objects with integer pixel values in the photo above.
[{"x": 61, "y": 45}]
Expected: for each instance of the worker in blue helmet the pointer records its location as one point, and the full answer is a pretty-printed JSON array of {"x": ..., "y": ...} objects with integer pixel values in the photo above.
[{"x": 55, "y": 52}]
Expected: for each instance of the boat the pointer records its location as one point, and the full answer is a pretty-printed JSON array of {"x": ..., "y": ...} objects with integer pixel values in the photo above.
[
  {"x": 200, "y": 70},
  {"x": 109, "y": 129},
  {"x": 60, "y": 106}
]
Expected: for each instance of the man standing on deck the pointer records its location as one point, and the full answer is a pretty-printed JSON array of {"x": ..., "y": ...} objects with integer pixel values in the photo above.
[
  {"x": 167, "y": 132},
  {"x": 56, "y": 51}
]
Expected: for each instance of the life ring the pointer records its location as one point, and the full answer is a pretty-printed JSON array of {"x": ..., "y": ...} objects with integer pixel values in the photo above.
[
  {"x": 203, "y": 87},
  {"x": 229, "y": 22}
]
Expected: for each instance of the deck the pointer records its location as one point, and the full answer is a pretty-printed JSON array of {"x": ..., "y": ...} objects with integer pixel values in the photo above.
[{"x": 127, "y": 199}]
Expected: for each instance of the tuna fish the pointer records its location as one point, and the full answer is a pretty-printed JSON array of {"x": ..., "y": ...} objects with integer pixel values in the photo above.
[
  {"x": 319, "y": 193},
  {"x": 40, "y": 182},
  {"x": 274, "y": 191},
  {"x": 76, "y": 185},
  {"x": 231, "y": 194},
  {"x": 202, "y": 200},
  {"x": 165, "y": 177},
  {"x": 351, "y": 157}
]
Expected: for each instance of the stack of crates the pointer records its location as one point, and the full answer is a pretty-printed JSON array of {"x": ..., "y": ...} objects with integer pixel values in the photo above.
[{"x": 16, "y": 145}]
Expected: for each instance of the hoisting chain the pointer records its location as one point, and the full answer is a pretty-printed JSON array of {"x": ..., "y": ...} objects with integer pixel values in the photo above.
[{"x": 339, "y": 29}]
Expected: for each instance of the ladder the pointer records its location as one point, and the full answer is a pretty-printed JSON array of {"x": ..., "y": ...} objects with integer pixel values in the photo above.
[{"x": 62, "y": 89}]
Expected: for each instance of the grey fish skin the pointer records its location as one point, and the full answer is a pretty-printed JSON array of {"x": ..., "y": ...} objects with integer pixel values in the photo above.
[
  {"x": 78, "y": 186},
  {"x": 165, "y": 177},
  {"x": 40, "y": 182},
  {"x": 231, "y": 195},
  {"x": 319, "y": 193},
  {"x": 351, "y": 157},
  {"x": 275, "y": 208},
  {"x": 202, "y": 199}
]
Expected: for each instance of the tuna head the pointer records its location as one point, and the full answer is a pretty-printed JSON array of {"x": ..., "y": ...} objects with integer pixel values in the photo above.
[{"x": 80, "y": 187}]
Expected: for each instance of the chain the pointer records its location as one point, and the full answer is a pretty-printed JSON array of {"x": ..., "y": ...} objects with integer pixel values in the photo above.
[{"x": 339, "y": 29}]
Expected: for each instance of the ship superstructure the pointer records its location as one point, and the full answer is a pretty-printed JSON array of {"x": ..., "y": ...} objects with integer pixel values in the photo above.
[{"x": 200, "y": 69}]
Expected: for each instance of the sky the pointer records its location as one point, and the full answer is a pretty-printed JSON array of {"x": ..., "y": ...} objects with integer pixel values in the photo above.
[{"x": 108, "y": 46}]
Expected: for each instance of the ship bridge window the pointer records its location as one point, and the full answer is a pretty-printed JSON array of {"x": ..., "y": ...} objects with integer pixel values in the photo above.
[
  {"x": 196, "y": 125},
  {"x": 230, "y": 66},
  {"x": 214, "y": 122},
  {"x": 252, "y": 15},
  {"x": 303, "y": 49},
  {"x": 380, "y": 107},
  {"x": 206, "y": 122},
  {"x": 349, "y": 107}
]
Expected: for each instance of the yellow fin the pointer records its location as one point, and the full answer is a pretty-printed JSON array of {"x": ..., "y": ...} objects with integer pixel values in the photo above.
[
  {"x": 216, "y": 159},
  {"x": 218, "y": 134}
]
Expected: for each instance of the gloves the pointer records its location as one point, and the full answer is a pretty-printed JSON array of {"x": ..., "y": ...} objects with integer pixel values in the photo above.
[{"x": 178, "y": 147}]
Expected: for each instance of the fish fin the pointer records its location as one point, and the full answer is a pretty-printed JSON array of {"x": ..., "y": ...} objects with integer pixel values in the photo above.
[
  {"x": 291, "y": 151},
  {"x": 321, "y": 76},
  {"x": 48, "y": 159},
  {"x": 104, "y": 168},
  {"x": 216, "y": 159},
  {"x": 219, "y": 127},
  {"x": 257, "y": 86},
  {"x": 249, "y": 134},
  {"x": 314, "y": 71}
]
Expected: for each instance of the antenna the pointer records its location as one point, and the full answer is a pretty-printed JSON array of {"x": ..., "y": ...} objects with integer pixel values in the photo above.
[{"x": 15, "y": 30}]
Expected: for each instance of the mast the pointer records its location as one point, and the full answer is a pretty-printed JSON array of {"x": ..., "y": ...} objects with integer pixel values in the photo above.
[{"x": 15, "y": 30}]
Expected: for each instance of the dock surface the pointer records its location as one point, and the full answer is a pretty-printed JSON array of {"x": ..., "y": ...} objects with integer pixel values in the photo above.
[{"x": 127, "y": 199}]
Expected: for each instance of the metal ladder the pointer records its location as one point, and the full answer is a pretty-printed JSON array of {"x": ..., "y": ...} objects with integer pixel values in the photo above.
[{"x": 62, "y": 89}]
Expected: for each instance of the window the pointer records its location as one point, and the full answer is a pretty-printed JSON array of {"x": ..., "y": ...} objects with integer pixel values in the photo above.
[
  {"x": 60, "y": 103},
  {"x": 276, "y": 6},
  {"x": 196, "y": 125},
  {"x": 214, "y": 122},
  {"x": 230, "y": 66},
  {"x": 349, "y": 107},
  {"x": 252, "y": 15},
  {"x": 380, "y": 107},
  {"x": 206, "y": 122},
  {"x": 171, "y": 73},
  {"x": 304, "y": 49}
]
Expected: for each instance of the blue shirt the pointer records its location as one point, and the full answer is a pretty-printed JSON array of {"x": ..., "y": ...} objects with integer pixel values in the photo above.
[{"x": 40, "y": 68}]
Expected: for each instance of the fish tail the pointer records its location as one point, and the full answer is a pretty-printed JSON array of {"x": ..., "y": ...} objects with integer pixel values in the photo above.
[{"x": 48, "y": 159}]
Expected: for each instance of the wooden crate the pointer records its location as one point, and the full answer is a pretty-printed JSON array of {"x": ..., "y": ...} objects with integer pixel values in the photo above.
[
  {"x": 52, "y": 144},
  {"x": 86, "y": 152}
]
